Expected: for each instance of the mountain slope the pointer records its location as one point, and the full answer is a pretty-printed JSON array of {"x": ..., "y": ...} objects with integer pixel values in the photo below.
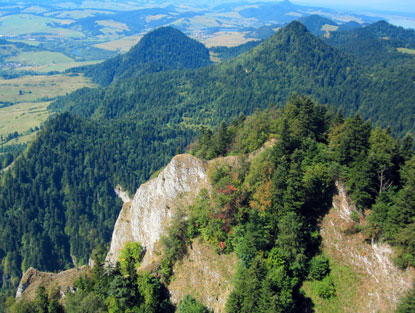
[
  {"x": 65, "y": 182},
  {"x": 61, "y": 194},
  {"x": 165, "y": 48},
  {"x": 315, "y": 23},
  {"x": 292, "y": 60},
  {"x": 367, "y": 278},
  {"x": 154, "y": 204},
  {"x": 374, "y": 44},
  {"x": 242, "y": 231}
]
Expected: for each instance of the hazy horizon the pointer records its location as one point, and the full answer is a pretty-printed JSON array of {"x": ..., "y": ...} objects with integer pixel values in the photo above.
[{"x": 398, "y": 6}]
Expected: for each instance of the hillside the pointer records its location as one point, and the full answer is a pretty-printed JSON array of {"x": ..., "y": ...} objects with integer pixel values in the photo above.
[
  {"x": 65, "y": 182},
  {"x": 292, "y": 60},
  {"x": 261, "y": 223},
  {"x": 134, "y": 126},
  {"x": 163, "y": 49},
  {"x": 375, "y": 44},
  {"x": 60, "y": 193},
  {"x": 366, "y": 278},
  {"x": 318, "y": 25}
]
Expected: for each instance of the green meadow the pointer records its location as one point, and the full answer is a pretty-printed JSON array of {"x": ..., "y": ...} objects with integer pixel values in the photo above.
[
  {"x": 29, "y": 97},
  {"x": 19, "y": 24}
]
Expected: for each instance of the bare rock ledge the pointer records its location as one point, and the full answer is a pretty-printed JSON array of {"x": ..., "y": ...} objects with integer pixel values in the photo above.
[{"x": 145, "y": 218}]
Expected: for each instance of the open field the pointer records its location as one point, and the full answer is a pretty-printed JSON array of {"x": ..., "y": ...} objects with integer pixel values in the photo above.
[
  {"x": 76, "y": 14},
  {"x": 45, "y": 61},
  {"x": 122, "y": 45},
  {"x": 228, "y": 39},
  {"x": 31, "y": 95},
  {"x": 40, "y": 58},
  {"x": 57, "y": 67},
  {"x": 408, "y": 51},
  {"x": 7, "y": 50},
  {"x": 22, "y": 117},
  {"x": 329, "y": 28},
  {"x": 36, "y": 88},
  {"x": 19, "y": 24},
  {"x": 117, "y": 26},
  {"x": 111, "y": 5},
  {"x": 34, "y": 9},
  {"x": 26, "y": 41}
]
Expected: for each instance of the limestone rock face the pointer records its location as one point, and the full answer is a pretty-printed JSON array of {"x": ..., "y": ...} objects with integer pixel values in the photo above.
[
  {"x": 63, "y": 282},
  {"x": 379, "y": 283},
  {"x": 146, "y": 217}
]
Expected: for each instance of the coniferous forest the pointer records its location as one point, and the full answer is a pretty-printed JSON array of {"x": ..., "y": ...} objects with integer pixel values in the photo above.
[{"x": 334, "y": 117}]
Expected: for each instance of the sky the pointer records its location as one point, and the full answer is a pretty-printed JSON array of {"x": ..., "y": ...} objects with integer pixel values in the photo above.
[{"x": 388, "y": 5}]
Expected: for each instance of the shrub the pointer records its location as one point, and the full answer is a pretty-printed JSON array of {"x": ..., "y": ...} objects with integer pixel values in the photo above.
[
  {"x": 191, "y": 305},
  {"x": 319, "y": 267},
  {"x": 325, "y": 288}
]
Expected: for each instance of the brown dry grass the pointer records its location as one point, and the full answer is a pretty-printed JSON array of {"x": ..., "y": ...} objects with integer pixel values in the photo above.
[{"x": 204, "y": 275}]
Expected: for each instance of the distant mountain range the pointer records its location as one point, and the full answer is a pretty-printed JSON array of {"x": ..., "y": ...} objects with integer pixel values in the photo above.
[
  {"x": 292, "y": 60},
  {"x": 85, "y": 31},
  {"x": 98, "y": 22}
]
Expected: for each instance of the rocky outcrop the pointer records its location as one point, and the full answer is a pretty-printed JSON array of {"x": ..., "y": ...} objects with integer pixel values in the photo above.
[
  {"x": 122, "y": 194},
  {"x": 62, "y": 282},
  {"x": 379, "y": 284},
  {"x": 145, "y": 218}
]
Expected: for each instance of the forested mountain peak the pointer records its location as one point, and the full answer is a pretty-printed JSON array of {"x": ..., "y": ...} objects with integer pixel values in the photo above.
[
  {"x": 384, "y": 29},
  {"x": 377, "y": 45},
  {"x": 169, "y": 47},
  {"x": 294, "y": 26},
  {"x": 292, "y": 60},
  {"x": 390, "y": 36},
  {"x": 297, "y": 49},
  {"x": 297, "y": 36},
  {"x": 65, "y": 180},
  {"x": 165, "y": 48}
]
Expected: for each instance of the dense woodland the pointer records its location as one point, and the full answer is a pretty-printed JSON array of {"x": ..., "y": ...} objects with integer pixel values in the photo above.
[
  {"x": 267, "y": 212},
  {"x": 292, "y": 60},
  {"x": 315, "y": 24},
  {"x": 165, "y": 48},
  {"x": 57, "y": 203},
  {"x": 59, "y": 200},
  {"x": 376, "y": 44},
  {"x": 225, "y": 53}
]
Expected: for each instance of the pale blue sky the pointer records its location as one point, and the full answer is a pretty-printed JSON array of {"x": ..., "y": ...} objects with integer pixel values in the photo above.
[{"x": 396, "y": 5}]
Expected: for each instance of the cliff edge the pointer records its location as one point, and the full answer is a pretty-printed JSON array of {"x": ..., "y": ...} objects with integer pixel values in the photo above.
[
  {"x": 365, "y": 277},
  {"x": 145, "y": 218}
]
